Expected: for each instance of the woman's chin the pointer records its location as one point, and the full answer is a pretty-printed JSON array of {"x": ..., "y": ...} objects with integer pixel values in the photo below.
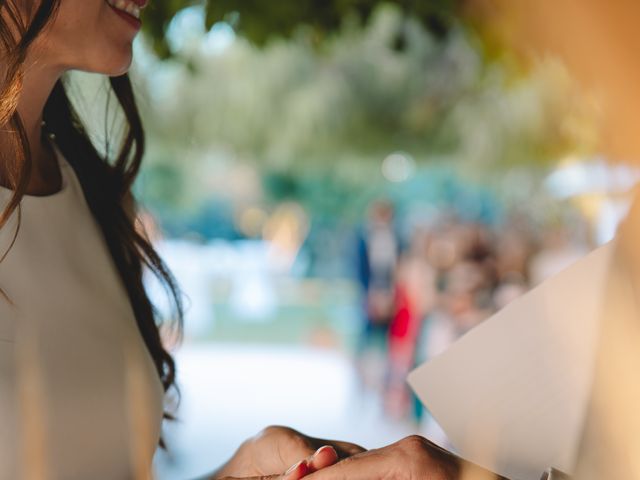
[
  {"x": 112, "y": 65},
  {"x": 110, "y": 70},
  {"x": 120, "y": 70}
]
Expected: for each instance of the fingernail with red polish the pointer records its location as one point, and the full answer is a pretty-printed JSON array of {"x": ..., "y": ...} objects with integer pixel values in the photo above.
[
  {"x": 294, "y": 468},
  {"x": 324, "y": 448},
  {"x": 299, "y": 468}
]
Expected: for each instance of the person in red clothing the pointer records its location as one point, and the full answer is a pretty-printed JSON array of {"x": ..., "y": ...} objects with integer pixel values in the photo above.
[{"x": 414, "y": 297}]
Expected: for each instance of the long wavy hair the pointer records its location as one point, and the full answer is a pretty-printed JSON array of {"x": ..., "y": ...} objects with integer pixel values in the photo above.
[{"x": 106, "y": 183}]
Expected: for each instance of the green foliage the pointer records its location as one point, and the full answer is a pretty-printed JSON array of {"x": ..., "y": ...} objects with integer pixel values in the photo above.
[
  {"x": 157, "y": 17},
  {"x": 287, "y": 105},
  {"x": 260, "y": 21},
  {"x": 317, "y": 123}
]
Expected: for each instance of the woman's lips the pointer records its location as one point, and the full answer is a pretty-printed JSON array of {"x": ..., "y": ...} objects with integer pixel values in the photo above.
[
  {"x": 132, "y": 21},
  {"x": 128, "y": 10},
  {"x": 130, "y": 7}
]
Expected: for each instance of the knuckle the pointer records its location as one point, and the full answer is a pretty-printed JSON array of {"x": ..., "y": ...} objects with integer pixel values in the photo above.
[
  {"x": 274, "y": 430},
  {"x": 414, "y": 444},
  {"x": 284, "y": 439},
  {"x": 300, "y": 444},
  {"x": 267, "y": 435},
  {"x": 424, "y": 459},
  {"x": 271, "y": 429},
  {"x": 418, "y": 457}
]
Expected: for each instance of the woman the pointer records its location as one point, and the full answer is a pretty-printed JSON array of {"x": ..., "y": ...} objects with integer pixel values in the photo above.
[{"x": 83, "y": 372}]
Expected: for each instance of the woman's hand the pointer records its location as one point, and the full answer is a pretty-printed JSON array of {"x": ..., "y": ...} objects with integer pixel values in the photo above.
[
  {"x": 323, "y": 457},
  {"x": 413, "y": 458},
  {"x": 276, "y": 449}
]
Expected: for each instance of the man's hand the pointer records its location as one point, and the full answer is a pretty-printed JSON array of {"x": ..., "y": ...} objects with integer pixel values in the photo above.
[
  {"x": 413, "y": 458},
  {"x": 278, "y": 449}
]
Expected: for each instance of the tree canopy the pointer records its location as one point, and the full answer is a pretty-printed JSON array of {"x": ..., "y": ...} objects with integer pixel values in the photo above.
[
  {"x": 260, "y": 21},
  {"x": 359, "y": 98},
  {"x": 339, "y": 114}
]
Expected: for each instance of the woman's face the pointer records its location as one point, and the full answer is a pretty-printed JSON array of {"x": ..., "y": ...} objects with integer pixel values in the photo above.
[{"x": 91, "y": 35}]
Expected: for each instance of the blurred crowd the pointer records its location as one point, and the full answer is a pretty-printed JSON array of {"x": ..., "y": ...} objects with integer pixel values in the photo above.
[{"x": 421, "y": 293}]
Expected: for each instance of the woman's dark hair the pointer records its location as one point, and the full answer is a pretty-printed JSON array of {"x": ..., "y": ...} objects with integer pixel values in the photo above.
[{"x": 106, "y": 183}]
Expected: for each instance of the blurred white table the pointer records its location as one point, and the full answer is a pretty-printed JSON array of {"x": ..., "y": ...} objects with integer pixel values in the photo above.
[{"x": 230, "y": 392}]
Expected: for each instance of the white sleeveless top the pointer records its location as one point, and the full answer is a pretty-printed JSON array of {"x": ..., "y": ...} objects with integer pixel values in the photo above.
[{"x": 79, "y": 394}]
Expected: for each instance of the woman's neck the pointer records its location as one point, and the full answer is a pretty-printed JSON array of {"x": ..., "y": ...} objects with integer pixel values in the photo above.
[{"x": 38, "y": 82}]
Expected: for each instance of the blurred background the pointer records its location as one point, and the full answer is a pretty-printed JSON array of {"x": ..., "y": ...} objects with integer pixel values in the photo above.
[{"x": 342, "y": 189}]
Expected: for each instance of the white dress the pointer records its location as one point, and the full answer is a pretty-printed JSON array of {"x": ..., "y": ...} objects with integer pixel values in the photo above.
[{"x": 79, "y": 394}]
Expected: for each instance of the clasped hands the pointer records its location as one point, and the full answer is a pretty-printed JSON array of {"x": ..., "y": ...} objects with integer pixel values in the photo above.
[{"x": 280, "y": 453}]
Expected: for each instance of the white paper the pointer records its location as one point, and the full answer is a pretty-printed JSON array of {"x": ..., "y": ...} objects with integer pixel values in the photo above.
[{"x": 511, "y": 394}]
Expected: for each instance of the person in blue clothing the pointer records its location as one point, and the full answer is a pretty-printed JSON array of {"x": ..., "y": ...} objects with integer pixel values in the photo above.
[{"x": 378, "y": 253}]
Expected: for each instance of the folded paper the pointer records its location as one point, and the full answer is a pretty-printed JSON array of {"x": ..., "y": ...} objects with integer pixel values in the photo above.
[{"x": 512, "y": 393}]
